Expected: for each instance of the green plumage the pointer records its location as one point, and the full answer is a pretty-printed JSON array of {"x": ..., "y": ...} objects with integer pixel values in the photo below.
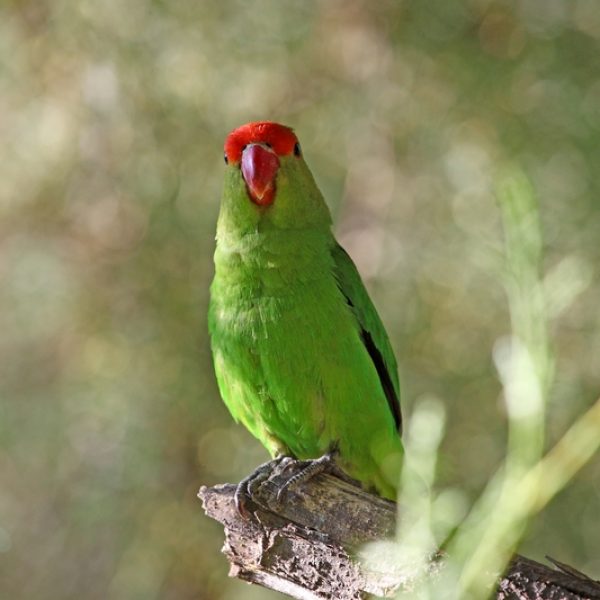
[{"x": 301, "y": 356}]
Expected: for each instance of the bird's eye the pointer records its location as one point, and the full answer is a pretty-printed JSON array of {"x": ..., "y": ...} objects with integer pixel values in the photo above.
[
  {"x": 225, "y": 158},
  {"x": 268, "y": 145},
  {"x": 297, "y": 150}
]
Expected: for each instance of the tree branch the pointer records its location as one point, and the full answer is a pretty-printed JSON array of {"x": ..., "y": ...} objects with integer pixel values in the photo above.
[{"x": 305, "y": 547}]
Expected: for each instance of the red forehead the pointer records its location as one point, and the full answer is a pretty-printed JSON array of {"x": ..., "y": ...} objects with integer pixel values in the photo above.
[{"x": 281, "y": 138}]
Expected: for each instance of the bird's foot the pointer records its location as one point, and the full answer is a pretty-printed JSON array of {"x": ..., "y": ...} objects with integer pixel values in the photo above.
[
  {"x": 244, "y": 492},
  {"x": 308, "y": 470},
  {"x": 275, "y": 470}
]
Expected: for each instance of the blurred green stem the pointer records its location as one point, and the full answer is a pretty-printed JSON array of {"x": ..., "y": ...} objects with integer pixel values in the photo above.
[{"x": 490, "y": 533}]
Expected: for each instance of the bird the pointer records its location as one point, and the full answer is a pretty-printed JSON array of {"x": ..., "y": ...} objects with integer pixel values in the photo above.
[{"x": 301, "y": 357}]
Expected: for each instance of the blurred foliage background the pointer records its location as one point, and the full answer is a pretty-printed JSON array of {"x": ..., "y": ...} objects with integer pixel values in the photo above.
[{"x": 112, "y": 119}]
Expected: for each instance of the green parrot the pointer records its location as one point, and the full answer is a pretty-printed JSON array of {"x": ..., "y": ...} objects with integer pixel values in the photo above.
[{"x": 301, "y": 356}]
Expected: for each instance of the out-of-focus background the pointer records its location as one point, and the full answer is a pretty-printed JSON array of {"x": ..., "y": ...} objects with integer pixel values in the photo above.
[{"x": 112, "y": 119}]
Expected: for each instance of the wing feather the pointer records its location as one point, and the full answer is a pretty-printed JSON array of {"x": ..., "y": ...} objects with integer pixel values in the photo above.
[{"x": 373, "y": 333}]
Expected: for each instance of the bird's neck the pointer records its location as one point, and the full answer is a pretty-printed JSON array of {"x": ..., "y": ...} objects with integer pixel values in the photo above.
[{"x": 274, "y": 257}]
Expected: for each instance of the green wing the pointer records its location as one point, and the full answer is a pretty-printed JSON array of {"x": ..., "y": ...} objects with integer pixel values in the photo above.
[{"x": 373, "y": 332}]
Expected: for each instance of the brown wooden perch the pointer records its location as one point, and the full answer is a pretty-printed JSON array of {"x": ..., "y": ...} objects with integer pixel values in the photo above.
[{"x": 304, "y": 546}]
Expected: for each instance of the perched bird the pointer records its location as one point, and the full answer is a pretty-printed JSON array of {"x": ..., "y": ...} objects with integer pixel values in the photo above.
[{"x": 301, "y": 356}]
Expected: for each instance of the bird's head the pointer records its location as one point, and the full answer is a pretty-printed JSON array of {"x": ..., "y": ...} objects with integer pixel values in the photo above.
[
  {"x": 268, "y": 184},
  {"x": 257, "y": 150}
]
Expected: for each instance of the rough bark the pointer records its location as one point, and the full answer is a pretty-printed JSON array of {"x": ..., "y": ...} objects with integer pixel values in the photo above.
[{"x": 305, "y": 546}]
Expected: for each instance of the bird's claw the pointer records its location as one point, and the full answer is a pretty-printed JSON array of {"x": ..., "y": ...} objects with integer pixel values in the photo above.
[
  {"x": 309, "y": 469},
  {"x": 245, "y": 490},
  {"x": 242, "y": 498}
]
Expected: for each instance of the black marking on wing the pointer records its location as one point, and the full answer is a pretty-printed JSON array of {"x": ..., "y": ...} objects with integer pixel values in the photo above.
[{"x": 382, "y": 372}]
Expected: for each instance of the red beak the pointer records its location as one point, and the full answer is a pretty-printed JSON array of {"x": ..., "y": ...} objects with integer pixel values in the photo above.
[{"x": 259, "y": 169}]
